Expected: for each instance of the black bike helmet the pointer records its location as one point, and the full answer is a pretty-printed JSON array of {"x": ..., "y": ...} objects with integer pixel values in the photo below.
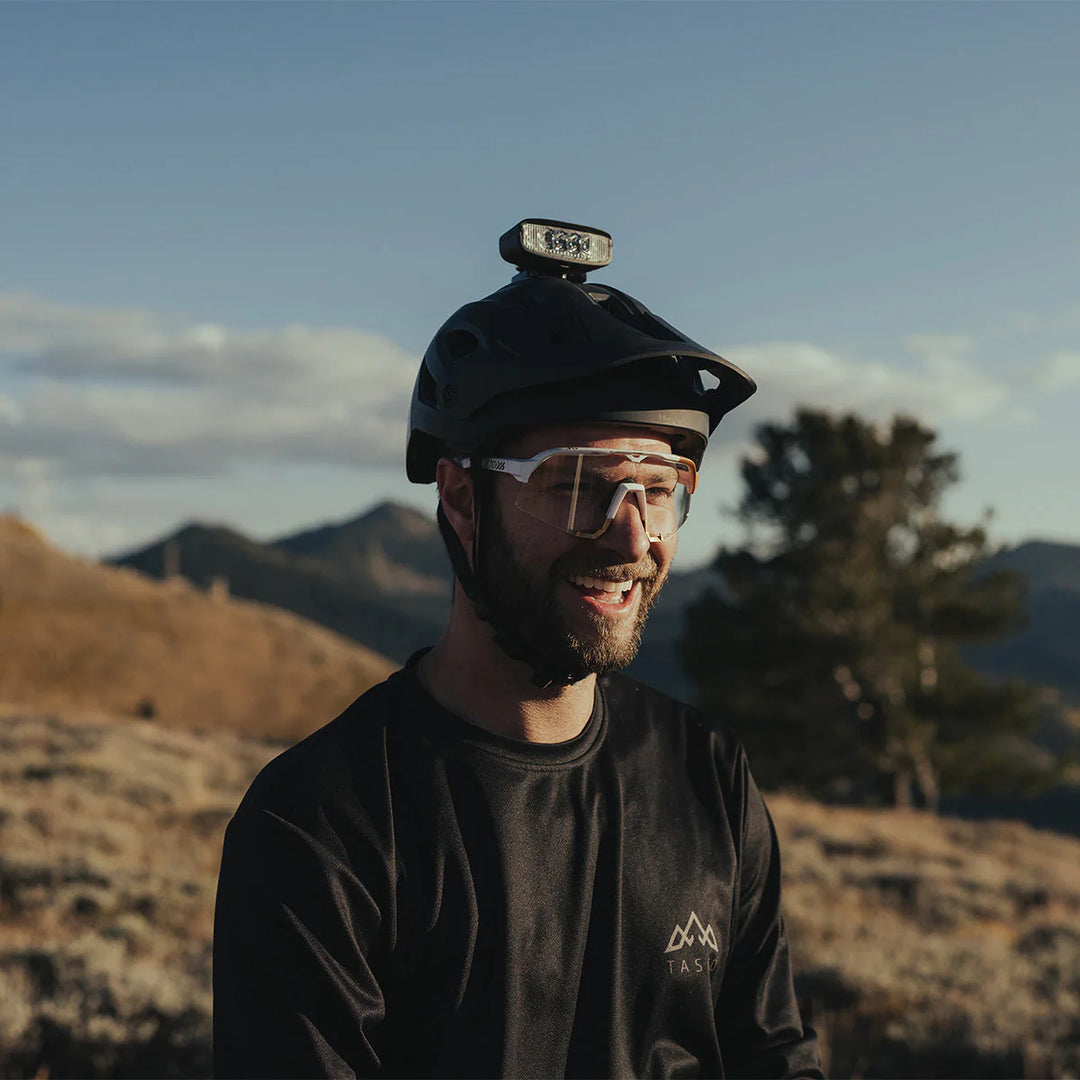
[{"x": 551, "y": 348}]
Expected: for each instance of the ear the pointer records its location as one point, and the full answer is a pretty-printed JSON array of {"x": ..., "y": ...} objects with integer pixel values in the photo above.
[{"x": 456, "y": 495}]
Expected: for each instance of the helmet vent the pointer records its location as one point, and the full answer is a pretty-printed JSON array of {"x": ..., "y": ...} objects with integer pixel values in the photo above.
[
  {"x": 459, "y": 343},
  {"x": 425, "y": 386}
]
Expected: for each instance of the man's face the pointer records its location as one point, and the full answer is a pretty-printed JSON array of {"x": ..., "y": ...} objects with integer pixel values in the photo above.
[{"x": 556, "y": 589}]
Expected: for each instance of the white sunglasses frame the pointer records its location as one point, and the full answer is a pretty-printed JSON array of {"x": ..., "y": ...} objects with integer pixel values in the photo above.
[{"x": 523, "y": 468}]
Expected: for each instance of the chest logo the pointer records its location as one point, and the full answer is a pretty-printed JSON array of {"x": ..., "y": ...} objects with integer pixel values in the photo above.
[{"x": 683, "y": 936}]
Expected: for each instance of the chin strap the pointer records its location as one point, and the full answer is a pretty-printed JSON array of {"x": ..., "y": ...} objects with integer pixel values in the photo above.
[{"x": 507, "y": 637}]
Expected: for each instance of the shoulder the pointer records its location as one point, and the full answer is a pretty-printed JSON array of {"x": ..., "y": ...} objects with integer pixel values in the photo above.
[
  {"x": 326, "y": 777},
  {"x": 632, "y": 704},
  {"x": 679, "y": 745}
]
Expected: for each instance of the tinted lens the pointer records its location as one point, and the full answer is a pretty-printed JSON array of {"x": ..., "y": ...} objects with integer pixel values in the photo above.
[{"x": 574, "y": 492}]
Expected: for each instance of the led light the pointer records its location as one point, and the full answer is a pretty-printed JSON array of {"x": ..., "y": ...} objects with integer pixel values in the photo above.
[
  {"x": 541, "y": 245},
  {"x": 553, "y": 242}
]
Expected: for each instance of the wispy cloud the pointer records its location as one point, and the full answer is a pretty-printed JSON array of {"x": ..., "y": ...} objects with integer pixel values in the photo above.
[
  {"x": 98, "y": 392},
  {"x": 944, "y": 385},
  {"x": 1061, "y": 369}
]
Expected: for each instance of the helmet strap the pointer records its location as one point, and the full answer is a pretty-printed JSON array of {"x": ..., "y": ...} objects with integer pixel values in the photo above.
[
  {"x": 471, "y": 578},
  {"x": 460, "y": 565}
]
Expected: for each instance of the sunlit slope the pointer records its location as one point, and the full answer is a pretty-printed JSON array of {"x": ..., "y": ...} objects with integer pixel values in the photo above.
[
  {"x": 75, "y": 633},
  {"x": 381, "y": 579}
]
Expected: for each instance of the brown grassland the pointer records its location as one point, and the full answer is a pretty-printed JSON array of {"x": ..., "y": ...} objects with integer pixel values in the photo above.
[
  {"x": 76, "y": 633},
  {"x": 923, "y": 946}
]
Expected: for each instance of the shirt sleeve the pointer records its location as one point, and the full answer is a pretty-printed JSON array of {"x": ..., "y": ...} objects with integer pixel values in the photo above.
[
  {"x": 295, "y": 931},
  {"x": 761, "y": 1032}
]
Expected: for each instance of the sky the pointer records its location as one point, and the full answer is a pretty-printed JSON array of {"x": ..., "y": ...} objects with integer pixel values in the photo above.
[{"x": 229, "y": 230}]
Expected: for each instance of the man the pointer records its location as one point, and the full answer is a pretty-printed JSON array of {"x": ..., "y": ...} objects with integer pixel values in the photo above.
[{"x": 504, "y": 860}]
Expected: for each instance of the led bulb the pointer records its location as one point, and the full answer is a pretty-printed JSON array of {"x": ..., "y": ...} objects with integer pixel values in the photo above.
[
  {"x": 555, "y": 247},
  {"x": 560, "y": 243}
]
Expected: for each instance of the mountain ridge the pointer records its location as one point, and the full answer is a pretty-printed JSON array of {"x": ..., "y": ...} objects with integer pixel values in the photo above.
[{"x": 389, "y": 561}]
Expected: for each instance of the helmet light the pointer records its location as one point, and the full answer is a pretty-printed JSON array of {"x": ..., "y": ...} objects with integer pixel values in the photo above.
[{"x": 556, "y": 248}]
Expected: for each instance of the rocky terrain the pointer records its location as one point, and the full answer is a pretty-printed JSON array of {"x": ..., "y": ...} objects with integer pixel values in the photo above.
[{"x": 924, "y": 946}]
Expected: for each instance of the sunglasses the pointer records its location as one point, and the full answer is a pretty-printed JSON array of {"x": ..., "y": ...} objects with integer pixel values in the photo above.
[{"x": 580, "y": 489}]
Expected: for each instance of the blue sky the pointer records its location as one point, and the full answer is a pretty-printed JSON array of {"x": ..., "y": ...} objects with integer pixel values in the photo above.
[{"x": 229, "y": 230}]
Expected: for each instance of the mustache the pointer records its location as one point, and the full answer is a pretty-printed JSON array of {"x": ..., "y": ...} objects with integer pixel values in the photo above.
[{"x": 573, "y": 563}]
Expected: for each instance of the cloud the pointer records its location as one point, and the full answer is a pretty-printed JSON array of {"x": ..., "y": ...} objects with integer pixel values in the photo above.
[
  {"x": 944, "y": 385},
  {"x": 1060, "y": 370},
  {"x": 10, "y": 411},
  {"x": 99, "y": 392},
  {"x": 135, "y": 393}
]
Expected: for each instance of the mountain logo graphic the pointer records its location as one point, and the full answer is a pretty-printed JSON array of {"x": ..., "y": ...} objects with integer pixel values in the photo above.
[{"x": 683, "y": 936}]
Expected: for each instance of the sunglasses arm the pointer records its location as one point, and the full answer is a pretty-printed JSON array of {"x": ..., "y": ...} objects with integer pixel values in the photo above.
[{"x": 519, "y": 470}]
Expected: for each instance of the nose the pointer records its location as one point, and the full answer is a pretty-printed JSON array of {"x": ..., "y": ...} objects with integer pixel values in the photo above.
[{"x": 626, "y": 534}]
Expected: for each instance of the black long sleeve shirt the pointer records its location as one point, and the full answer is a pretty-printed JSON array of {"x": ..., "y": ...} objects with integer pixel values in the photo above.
[{"x": 404, "y": 894}]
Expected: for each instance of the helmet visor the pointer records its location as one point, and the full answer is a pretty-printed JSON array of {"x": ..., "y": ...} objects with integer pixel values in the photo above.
[{"x": 581, "y": 489}]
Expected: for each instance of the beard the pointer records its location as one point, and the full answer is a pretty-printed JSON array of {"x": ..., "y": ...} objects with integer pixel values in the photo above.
[{"x": 522, "y": 605}]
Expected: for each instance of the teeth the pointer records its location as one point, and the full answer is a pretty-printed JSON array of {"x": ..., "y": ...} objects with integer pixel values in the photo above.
[{"x": 599, "y": 583}]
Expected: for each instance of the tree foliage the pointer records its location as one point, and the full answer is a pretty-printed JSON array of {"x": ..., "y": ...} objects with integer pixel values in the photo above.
[{"x": 833, "y": 647}]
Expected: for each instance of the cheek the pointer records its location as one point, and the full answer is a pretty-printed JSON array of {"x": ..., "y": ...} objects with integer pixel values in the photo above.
[
  {"x": 664, "y": 553},
  {"x": 532, "y": 543}
]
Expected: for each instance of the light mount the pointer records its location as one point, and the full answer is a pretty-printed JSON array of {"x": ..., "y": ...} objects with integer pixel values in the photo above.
[{"x": 542, "y": 247}]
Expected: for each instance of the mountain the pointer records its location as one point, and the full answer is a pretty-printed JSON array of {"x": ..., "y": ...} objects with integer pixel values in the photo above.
[
  {"x": 393, "y": 546},
  {"x": 1047, "y": 651},
  {"x": 80, "y": 634},
  {"x": 381, "y": 579}
]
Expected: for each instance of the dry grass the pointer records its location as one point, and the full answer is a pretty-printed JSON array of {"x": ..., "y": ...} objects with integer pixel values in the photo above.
[
  {"x": 932, "y": 946},
  {"x": 80, "y": 634},
  {"x": 924, "y": 947},
  {"x": 110, "y": 839}
]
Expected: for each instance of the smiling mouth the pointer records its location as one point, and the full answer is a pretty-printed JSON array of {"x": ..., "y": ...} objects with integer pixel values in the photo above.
[{"x": 602, "y": 591}]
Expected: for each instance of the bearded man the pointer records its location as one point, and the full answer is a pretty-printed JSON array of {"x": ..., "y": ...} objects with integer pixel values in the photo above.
[{"x": 507, "y": 860}]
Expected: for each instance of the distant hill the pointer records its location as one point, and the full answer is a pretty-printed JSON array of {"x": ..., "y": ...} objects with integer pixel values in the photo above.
[
  {"x": 393, "y": 546},
  {"x": 381, "y": 579},
  {"x": 1047, "y": 651},
  {"x": 79, "y": 634}
]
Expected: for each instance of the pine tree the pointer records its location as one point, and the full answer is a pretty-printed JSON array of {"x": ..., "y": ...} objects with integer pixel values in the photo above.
[{"x": 833, "y": 648}]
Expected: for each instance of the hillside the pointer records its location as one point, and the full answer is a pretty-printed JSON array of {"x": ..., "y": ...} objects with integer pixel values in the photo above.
[
  {"x": 392, "y": 546},
  {"x": 381, "y": 579},
  {"x": 923, "y": 946},
  {"x": 1047, "y": 651},
  {"x": 80, "y": 634}
]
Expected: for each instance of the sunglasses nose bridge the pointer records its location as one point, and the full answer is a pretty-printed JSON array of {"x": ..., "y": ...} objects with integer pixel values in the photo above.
[{"x": 624, "y": 489}]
